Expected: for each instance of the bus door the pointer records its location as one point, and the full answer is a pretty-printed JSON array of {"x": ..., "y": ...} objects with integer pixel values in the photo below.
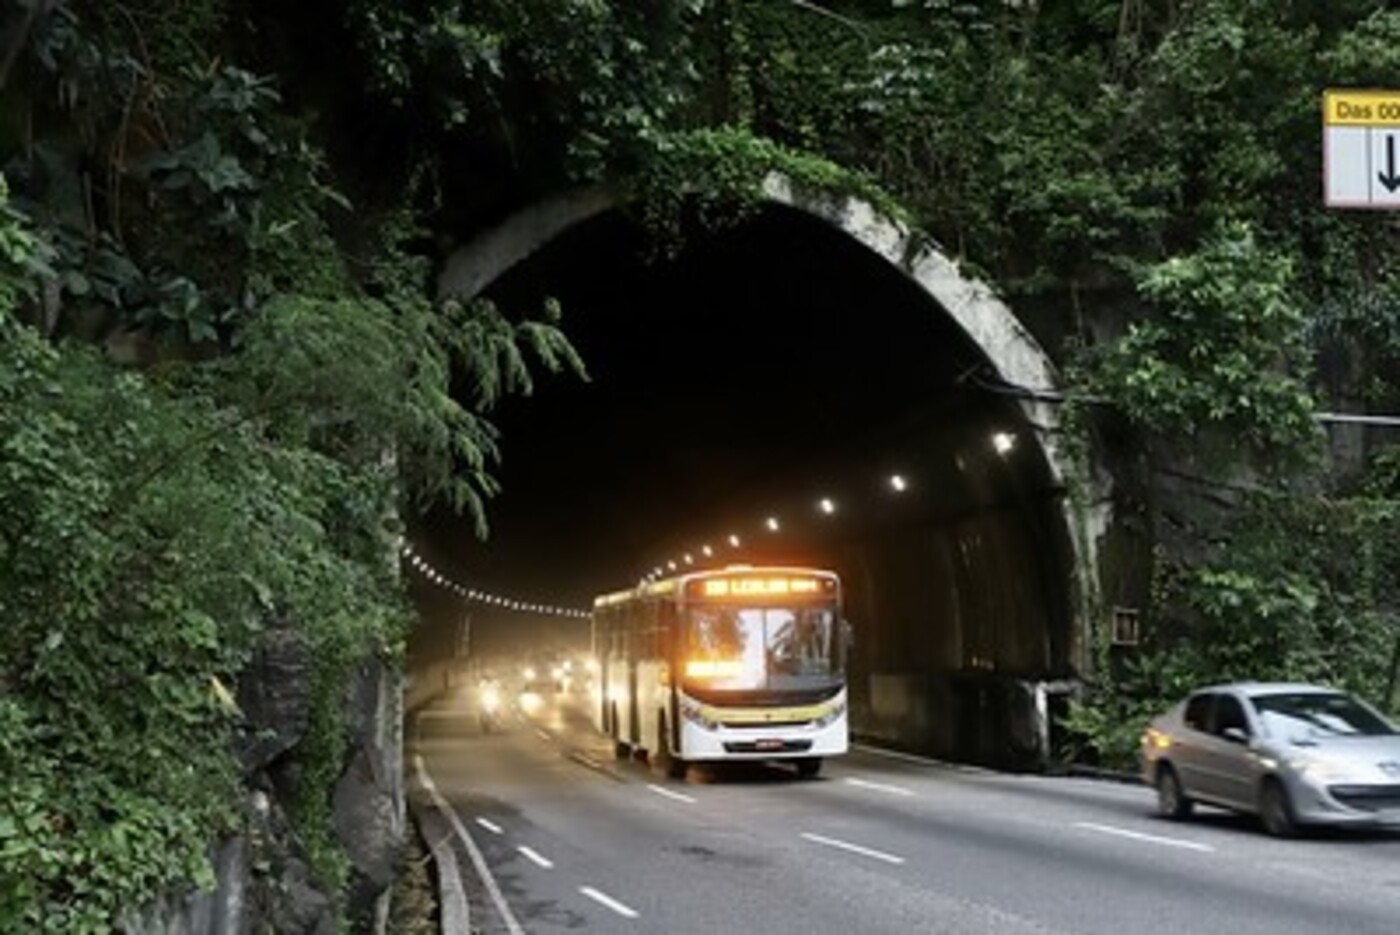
[{"x": 635, "y": 622}]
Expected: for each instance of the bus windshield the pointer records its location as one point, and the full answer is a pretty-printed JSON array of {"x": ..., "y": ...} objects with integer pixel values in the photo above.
[{"x": 762, "y": 647}]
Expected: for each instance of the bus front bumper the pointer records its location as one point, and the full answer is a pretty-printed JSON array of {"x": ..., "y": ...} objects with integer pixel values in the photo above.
[{"x": 761, "y": 742}]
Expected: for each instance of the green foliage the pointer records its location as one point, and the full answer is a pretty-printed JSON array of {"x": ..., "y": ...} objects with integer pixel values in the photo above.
[
  {"x": 566, "y": 89},
  {"x": 1305, "y": 588},
  {"x": 119, "y": 611},
  {"x": 153, "y": 521},
  {"x": 22, "y": 257},
  {"x": 720, "y": 173},
  {"x": 1220, "y": 348},
  {"x": 177, "y": 194}
]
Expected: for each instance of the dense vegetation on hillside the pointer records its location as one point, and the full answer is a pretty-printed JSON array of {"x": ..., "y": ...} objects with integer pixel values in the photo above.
[{"x": 216, "y": 252}]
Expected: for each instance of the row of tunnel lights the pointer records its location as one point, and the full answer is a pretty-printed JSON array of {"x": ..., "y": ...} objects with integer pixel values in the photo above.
[
  {"x": 475, "y": 595},
  {"x": 1002, "y": 443}
]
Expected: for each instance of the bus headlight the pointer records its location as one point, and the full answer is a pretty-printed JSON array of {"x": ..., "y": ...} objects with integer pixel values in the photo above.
[
  {"x": 834, "y": 712},
  {"x": 695, "y": 715}
]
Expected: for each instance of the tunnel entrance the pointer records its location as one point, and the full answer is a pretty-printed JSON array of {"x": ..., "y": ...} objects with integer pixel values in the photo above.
[{"x": 809, "y": 353}]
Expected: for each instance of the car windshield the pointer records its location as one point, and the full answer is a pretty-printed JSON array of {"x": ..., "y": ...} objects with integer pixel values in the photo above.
[{"x": 1316, "y": 715}]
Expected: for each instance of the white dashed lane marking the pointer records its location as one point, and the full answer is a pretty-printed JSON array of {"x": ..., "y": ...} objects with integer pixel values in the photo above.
[
  {"x": 678, "y": 796},
  {"x": 1139, "y": 836},
  {"x": 853, "y": 848},
  {"x": 535, "y": 858},
  {"x": 605, "y": 900},
  {"x": 879, "y": 787}
]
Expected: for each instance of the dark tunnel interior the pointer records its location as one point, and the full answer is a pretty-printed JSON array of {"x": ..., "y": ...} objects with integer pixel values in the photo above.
[{"x": 766, "y": 366}]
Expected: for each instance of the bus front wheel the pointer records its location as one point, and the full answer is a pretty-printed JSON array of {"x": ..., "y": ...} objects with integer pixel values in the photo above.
[
  {"x": 670, "y": 764},
  {"x": 809, "y": 767}
]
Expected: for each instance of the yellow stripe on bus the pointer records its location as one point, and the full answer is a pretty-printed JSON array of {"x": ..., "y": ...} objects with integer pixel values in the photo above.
[{"x": 766, "y": 715}]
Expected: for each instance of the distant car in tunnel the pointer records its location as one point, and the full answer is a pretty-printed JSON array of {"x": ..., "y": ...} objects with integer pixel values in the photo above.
[
  {"x": 1292, "y": 754},
  {"x": 536, "y": 687}
]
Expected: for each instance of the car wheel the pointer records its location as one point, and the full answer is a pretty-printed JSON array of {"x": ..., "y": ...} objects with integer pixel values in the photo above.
[
  {"x": 1275, "y": 810},
  {"x": 809, "y": 767},
  {"x": 1171, "y": 800}
]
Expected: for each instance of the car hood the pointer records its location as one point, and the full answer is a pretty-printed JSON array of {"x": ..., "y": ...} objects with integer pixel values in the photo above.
[{"x": 1377, "y": 755}]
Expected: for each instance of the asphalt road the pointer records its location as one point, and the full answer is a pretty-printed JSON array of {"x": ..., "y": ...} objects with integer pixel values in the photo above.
[{"x": 575, "y": 841}]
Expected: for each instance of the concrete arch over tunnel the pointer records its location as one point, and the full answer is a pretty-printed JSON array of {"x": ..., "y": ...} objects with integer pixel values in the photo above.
[{"x": 975, "y": 677}]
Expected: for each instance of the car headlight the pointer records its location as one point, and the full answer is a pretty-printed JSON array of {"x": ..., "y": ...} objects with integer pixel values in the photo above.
[{"x": 1319, "y": 771}]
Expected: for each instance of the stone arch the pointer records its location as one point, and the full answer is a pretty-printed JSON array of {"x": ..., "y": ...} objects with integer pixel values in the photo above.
[{"x": 1008, "y": 347}]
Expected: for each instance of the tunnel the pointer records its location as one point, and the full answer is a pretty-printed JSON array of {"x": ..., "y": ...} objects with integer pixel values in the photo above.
[{"x": 778, "y": 370}]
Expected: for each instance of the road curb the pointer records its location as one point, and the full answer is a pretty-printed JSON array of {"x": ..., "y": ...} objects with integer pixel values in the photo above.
[{"x": 454, "y": 912}]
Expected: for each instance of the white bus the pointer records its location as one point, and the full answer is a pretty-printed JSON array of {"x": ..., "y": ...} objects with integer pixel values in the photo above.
[{"x": 747, "y": 663}]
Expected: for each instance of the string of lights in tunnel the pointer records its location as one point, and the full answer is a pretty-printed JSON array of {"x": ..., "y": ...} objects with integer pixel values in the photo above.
[
  {"x": 476, "y": 595},
  {"x": 1002, "y": 443}
]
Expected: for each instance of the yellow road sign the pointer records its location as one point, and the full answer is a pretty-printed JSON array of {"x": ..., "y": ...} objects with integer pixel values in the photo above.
[
  {"x": 1361, "y": 148},
  {"x": 1361, "y": 108}
]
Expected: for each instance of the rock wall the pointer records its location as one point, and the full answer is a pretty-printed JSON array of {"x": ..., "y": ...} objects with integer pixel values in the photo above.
[{"x": 263, "y": 881}]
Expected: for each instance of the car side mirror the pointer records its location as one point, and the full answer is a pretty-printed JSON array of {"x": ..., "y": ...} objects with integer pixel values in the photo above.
[{"x": 1235, "y": 735}]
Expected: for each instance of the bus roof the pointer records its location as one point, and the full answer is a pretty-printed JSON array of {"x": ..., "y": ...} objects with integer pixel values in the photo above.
[{"x": 676, "y": 584}]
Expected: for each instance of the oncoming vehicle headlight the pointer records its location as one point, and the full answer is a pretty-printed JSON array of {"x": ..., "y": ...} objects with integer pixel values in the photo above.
[
  {"x": 831, "y": 714},
  {"x": 695, "y": 715},
  {"x": 530, "y": 702}
]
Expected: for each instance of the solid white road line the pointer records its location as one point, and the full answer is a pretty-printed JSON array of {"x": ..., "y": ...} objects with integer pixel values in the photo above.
[
  {"x": 535, "y": 858},
  {"x": 490, "y": 826},
  {"x": 678, "y": 796},
  {"x": 478, "y": 861},
  {"x": 921, "y": 760},
  {"x": 606, "y": 900},
  {"x": 543, "y": 735},
  {"x": 880, "y": 787},
  {"x": 853, "y": 848},
  {"x": 1139, "y": 836}
]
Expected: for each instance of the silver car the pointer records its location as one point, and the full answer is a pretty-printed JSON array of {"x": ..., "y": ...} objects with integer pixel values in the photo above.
[{"x": 1292, "y": 754}]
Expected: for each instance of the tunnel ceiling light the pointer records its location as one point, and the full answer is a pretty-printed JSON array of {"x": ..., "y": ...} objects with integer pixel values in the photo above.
[
  {"x": 827, "y": 505},
  {"x": 898, "y": 483},
  {"x": 734, "y": 541},
  {"x": 1003, "y": 442},
  {"x": 688, "y": 559},
  {"x": 709, "y": 552},
  {"x": 772, "y": 524},
  {"x": 671, "y": 565}
]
